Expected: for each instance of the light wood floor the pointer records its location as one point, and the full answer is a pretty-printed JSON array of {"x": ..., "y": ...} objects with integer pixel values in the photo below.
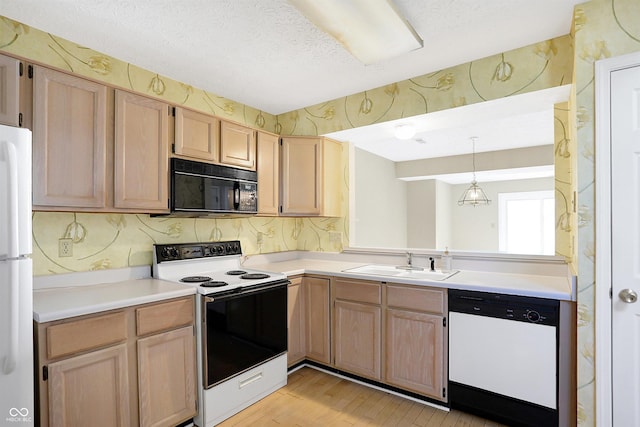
[{"x": 314, "y": 398}]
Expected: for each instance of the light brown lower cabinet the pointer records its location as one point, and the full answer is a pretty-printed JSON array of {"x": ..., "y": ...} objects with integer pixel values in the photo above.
[
  {"x": 296, "y": 348},
  {"x": 357, "y": 326},
  {"x": 316, "y": 293},
  {"x": 166, "y": 378},
  {"x": 90, "y": 389},
  {"x": 392, "y": 333},
  {"x": 128, "y": 367},
  {"x": 357, "y": 338},
  {"x": 414, "y": 352}
]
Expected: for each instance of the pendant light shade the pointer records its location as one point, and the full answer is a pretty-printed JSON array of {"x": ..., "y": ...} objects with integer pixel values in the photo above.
[{"x": 474, "y": 195}]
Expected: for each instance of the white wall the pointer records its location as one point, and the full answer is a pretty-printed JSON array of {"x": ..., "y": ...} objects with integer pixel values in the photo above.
[
  {"x": 421, "y": 214},
  {"x": 443, "y": 215},
  {"x": 476, "y": 228},
  {"x": 380, "y": 206}
]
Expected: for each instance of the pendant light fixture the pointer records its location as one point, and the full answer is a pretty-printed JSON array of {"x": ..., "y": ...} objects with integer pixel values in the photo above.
[{"x": 474, "y": 195}]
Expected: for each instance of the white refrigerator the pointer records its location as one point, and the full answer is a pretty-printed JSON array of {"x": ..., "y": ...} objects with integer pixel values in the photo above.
[{"x": 16, "y": 277}]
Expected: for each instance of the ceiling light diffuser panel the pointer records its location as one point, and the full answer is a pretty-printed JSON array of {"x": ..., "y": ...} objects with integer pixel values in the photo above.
[{"x": 371, "y": 30}]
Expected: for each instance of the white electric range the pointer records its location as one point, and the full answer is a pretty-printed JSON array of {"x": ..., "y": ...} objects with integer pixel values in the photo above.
[{"x": 241, "y": 318}]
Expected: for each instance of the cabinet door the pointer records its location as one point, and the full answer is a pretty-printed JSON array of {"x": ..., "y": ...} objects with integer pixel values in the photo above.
[
  {"x": 268, "y": 168},
  {"x": 90, "y": 389},
  {"x": 9, "y": 91},
  {"x": 237, "y": 145},
  {"x": 167, "y": 378},
  {"x": 415, "y": 352},
  {"x": 296, "y": 350},
  {"x": 316, "y": 291},
  {"x": 141, "y": 158},
  {"x": 197, "y": 135},
  {"x": 301, "y": 176},
  {"x": 357, "y": 338},
  {"x": 69, "y": 141}
]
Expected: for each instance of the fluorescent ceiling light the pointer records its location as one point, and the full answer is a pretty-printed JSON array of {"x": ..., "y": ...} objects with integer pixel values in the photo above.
[{"x": 372, "y": 30}]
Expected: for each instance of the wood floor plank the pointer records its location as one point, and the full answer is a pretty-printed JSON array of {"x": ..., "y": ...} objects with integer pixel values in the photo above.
[{"x": 313, "y": 398}]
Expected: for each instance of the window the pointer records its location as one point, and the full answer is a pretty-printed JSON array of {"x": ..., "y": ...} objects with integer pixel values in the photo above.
[{"x": 526, "y": 222}]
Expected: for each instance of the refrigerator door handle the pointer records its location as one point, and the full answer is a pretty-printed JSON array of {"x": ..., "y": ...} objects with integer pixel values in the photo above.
[
  {"x": 12, "y": 208},
  {"x": 11, "y": 358}
]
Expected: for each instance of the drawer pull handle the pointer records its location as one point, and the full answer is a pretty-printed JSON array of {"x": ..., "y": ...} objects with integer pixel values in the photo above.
[{"x": 250, "y": 380}]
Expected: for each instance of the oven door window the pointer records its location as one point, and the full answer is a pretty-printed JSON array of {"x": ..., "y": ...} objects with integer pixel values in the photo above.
[
  {"x": 192, "y": 192},
  {"x": 243, "y": 331}
]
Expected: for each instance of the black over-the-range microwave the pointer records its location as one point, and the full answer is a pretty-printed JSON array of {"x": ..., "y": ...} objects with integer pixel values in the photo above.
[{"x": 199, "y": 189}]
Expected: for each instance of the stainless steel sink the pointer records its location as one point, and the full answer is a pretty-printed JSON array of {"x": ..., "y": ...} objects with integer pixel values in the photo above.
[{"x": 400, "y": 272}]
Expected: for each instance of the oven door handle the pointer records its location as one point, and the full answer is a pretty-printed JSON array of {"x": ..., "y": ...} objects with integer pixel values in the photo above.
[{"x": 247, "y": 290}]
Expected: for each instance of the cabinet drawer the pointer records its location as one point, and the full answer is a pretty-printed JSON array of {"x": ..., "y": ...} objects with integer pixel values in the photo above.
[
  {"x": 413, "y": 298},
  {"x": 355, "y": 290},
  {"x": 85, "y": 334},
  {"x": 163, "y": 316}
]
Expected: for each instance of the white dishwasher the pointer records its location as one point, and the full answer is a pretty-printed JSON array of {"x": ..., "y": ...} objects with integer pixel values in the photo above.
[{"x": 503, "y": 357}]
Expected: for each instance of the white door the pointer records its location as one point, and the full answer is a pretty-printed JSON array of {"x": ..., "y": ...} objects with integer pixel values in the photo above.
[{"x": 625, "y": 245}]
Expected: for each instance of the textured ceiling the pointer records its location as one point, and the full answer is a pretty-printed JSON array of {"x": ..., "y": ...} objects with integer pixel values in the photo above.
[{"x": 263, "y": 53}]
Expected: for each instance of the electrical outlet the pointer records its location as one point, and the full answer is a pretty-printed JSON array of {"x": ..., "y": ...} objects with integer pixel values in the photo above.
[
  {"x": 335, "y": 236},
  {"x": 65, "y": 248},
  {"x": 260, "y": 237}
]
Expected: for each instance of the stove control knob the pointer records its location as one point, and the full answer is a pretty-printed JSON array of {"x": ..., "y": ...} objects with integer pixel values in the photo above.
[
  {"x": 533, "y": 316},
  {"x": 219, "y": 249},
  {"x": 169, "y": 252}
]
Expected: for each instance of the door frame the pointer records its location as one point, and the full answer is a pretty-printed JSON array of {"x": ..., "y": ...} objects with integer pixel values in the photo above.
[{"x": 603, "y": 285}]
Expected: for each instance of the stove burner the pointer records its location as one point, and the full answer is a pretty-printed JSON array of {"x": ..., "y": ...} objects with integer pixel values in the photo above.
[
  {"x": 195, "y": 279},
  {"x": 254, "y": 276},
  {"x": 213, "y": 284},
  {"x": 235, "y": 272}
]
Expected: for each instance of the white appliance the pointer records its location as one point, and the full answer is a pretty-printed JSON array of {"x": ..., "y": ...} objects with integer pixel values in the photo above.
[
  {"x": 503, "y": 357},
  {"x": 16, "y": 308},
  {"x": 241, "y": 318}
]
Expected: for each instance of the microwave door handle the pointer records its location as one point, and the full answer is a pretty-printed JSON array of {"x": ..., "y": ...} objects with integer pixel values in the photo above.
[{"x": 236, "y": 195}]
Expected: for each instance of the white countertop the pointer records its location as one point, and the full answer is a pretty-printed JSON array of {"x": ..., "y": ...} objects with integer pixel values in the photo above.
[
  {"x": 552, "y": 287},
  {"x": 60, "y": 303}
]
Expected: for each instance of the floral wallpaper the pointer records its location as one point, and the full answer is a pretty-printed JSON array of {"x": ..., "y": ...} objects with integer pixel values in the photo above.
[
  {"x": 603, "y": 29},
  {"x": 29, "y": 43},
  {"x": 103, "y": 241},
  {"x": 565, "y": 181},
  {"x": 530, "y": 68}
]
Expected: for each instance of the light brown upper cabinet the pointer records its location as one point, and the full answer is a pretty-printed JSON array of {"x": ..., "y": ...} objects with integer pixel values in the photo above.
[
  {"x": 141, "y": 158},
  {"x": 69, "y": 141},
  {"x": 237, "y": 145},
  {"x": 310, "y": 176},
  {"x": 15, "y": 93},
  {"x": 268, "y": 168},
  {"x": 197, "y": 135},
  {"x": 96, "y": 149}
]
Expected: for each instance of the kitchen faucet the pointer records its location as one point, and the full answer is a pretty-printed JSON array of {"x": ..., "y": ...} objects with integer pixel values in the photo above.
[{"x": 409, "y": 259}]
